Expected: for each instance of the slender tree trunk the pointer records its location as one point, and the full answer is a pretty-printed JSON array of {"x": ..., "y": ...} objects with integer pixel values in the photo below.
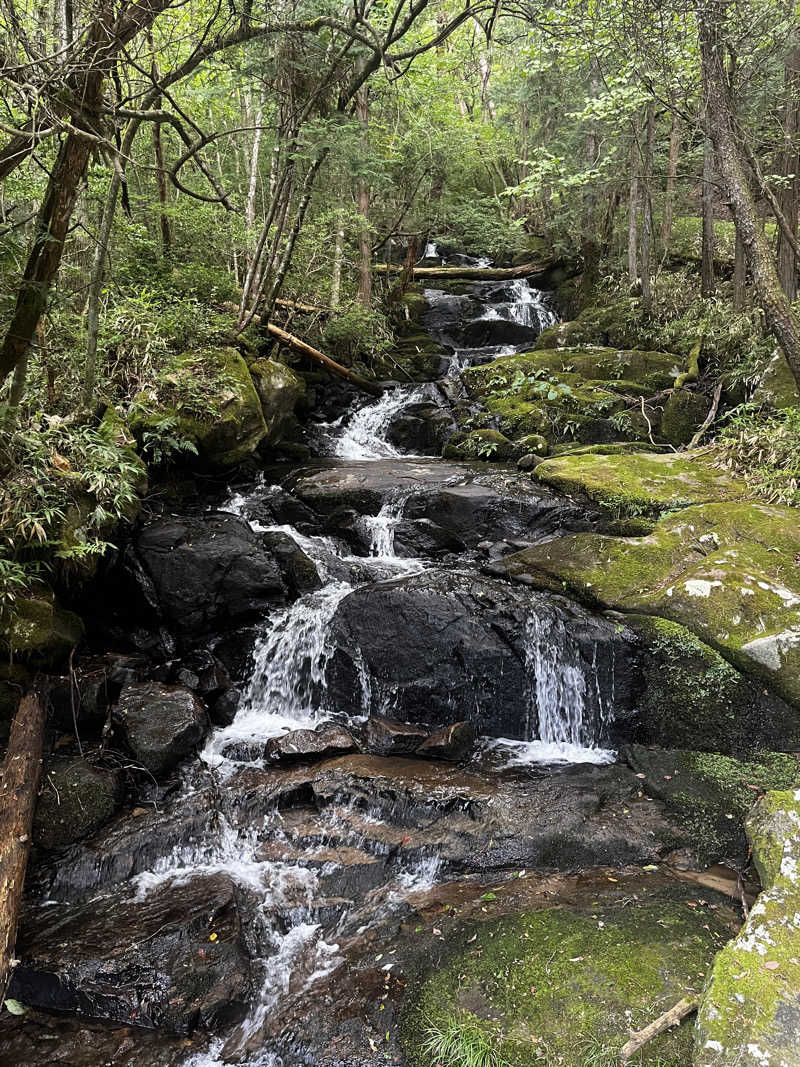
[
  {"x": 647, "y": 209},
  {"x": 364, "y": 242},
  {"x": 590, "y": 249},
  {"x": 252, "y": 189},
  {"x": 19, "y": 788},
  {"x": 721, "y": 125},
  {"x": 672, "y": 174},
  {"x": 708, "y": 285},
  {"x": 338, "y": 255},
  {"x": 633, "y": 212},
  {"x": 790, "y": 191}
]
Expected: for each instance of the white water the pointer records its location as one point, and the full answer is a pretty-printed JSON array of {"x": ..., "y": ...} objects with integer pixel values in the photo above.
[
  {"x": 364, "y": 434},
  {"x": 286, "y": 691}
]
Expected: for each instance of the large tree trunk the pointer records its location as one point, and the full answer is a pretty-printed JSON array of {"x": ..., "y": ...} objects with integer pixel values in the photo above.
[
  {"x": 720, "y": 126},
  {"x": 790, "y": 191},
  {"x": 19, "y": 789}
]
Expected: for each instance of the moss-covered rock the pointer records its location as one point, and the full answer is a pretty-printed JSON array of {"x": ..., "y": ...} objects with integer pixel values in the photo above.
[
  {"x": 683, "y": 415},
  {"x": 725, "y": 571},
  {"x": 39, "y": 631},
  {"x": 642, "y": 483},
  {"x": 211, "y": 401},
  {"x": 279, "y": 390},
  {"x": 709, "y": 795},
  {"x": 566, "y": 985},
  {"x": 479, "y": 444},
  {"x": 75, "y": 800},
  {"x": 416, "y": 358},
  {"x": 751, "y": 1006},
  {"x": 777, "y": 388},
  {"x": 614, "y": 323}
]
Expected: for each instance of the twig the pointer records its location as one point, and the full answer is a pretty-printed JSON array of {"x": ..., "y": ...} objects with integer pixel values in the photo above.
[
  {"x": 672, "y": 1017},
  {"x": 695, "y": 441}
]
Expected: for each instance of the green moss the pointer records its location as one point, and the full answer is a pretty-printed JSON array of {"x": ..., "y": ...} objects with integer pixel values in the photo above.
[
  {"x": 683, "y": 414},
  {"x": 725, "y": 571},
  {"x": 777, "y": 387},
  {"x": 39, "y": 631},
  {"x": 210, "y": 396},
  {"x": 694, "y": 698},
  {"x": 416, "y": 358},
  {"x": 479, "y": 444},
  {"x": 749, "y": 1008},
  {"x": 550, "y": 986},
  {"x": 279, "y": 390},
  {"x": 642, "y": 483},
  {"x": 76, "y": 798}
]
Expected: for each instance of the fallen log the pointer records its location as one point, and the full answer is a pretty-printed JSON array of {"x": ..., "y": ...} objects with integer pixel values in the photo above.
[
  {"x": 19, "y": 788},
  {"x": 475, "y": 274},
  {"x": 298, "y": 305},
  {"x": 297, "y": 345},
  {"x": 658, "y": 1026}
]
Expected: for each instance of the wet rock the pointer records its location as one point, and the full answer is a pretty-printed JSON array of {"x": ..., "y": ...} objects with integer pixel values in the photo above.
[
  {"x": 76, "y": 799},
  {"x": 445, "y": 647},
  {"x": 529, "y": 461},
  {"x": 423, "y": 538},
  {"x": 39, "y": 631},
  {"x": 223, "y": 710},
  {"x": 297, "y": 569},
  {"x": 199, "y": 573},
  {"x": 388, "y": 737},
  {"x": 173, "y": 958},
  {"x": 454, "y": 743},
  {"x": 202, "y": 671},
  {"x": 421, "y": 429},
  {"x": 322, "y": 743},
  {"x": 160, "y": 724}
]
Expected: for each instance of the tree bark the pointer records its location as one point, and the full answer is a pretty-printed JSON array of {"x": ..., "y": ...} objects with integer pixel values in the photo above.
[
  {"x": 708, "y": 284},
  {"x": 364, "y": 242},
  {"x": 325, "y": 361},
  {"x": 721, "y": 126},
  {"x": 633, "y": 212},
  {"x": 672, "y": 175},
  {"x": 647, "y": 209},
  {"x": 790, "y": 191},
  {"x": 338, "y": 256},
  {"x": 739, "y": 275},
  {"x": 19, "y": 788}
]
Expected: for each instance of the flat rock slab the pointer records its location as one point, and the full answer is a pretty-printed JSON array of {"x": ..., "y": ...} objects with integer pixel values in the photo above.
[{"x": 650, "y": 482}]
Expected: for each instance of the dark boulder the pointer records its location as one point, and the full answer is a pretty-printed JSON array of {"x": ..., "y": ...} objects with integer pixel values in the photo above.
[
  {"x": 448, "y": 647},
  {"x": 325, "y": 742},
  {"x": 223, "y": 710},
  {"x": 453, "y": 743},
  {"x": 160, "y": 724},
  {"x": 388, "y": 737},
  {"x": 422, "y": 429},
  {"x": 173, "y": 959},
  {"x": 421, "y": 537},
  {"x": 298, "y": 570},
  {"x": 201, "y": 573},
  {"x": 76, "y": 798}
]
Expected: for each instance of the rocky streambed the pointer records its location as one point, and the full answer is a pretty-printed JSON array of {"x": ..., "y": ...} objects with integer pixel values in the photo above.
[{"x": 370, "y": 789}]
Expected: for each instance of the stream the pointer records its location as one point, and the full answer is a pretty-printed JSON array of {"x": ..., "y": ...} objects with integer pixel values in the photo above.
[{"x": 454, "y": 729}]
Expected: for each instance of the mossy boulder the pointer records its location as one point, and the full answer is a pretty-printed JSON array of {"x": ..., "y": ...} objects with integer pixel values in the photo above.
[
  {"x": 279, "y": 390},
  {"x": 642, "y": 483},
  {"x": 566, "y": 985},
  {"x": 777, "y": 387},
  {"x": 615, "y": 323},
  {"x": 710, "y": 795},
  {"x": 750, "y": 1011},
  {"x": 76, "y": 799},
  {"x": 415, "y": 358},
  {"x": 479, "y": 444},
  {"x": 210, "y": 401},
  {"x": 682, "y": 416},
  {"x": 693, "y": 698},
  {"x": 116, "y": 430},
  {"x": 725, "y": 571},
  {"x": 39, "y": 631}
]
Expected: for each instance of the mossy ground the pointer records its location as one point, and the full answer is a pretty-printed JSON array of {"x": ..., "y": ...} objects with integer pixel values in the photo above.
[{"x": 566, "y": 986}]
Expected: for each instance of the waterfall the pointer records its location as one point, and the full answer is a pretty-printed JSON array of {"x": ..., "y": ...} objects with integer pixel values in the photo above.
[
  {"x": 569, "y": 730},
  {"x": 364, "y": 436}
]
